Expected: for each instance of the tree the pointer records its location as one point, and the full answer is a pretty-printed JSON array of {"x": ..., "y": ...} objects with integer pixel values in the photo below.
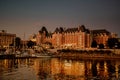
[
  {"x": 30, "y": 44},
  {"x": 94, "y": 44},
  {"x": 18, "y": 42},
  {"x": 112, "y": 43},
  {"x": 101, "y": 46},
  {"x": 119, "y": 45}
]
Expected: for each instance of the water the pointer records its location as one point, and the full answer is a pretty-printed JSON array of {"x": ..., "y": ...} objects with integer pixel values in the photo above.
[{"x": 59, "y": 69}]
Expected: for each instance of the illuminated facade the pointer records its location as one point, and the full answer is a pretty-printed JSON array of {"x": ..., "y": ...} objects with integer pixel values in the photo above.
[
  {"x": 72, "y": 37},
  {"x": 77, "y": 38},
  {"x": 6, "y": 38},
  {"x": 65, "y": 38},
  {"x": 101, "y": 36}
]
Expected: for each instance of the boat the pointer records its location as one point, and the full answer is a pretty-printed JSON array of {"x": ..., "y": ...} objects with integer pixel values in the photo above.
[{"x": 38, "y": 55}]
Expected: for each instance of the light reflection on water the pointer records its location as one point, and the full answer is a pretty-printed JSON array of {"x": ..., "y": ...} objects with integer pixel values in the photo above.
[{"x": 59, "y": 69}]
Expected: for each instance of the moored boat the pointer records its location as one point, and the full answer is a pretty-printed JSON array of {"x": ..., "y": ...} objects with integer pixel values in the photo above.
[{"x": 41, "y": 55}]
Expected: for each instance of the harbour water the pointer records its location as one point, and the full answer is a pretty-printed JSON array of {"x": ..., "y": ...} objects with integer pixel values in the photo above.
[{"x": 59, "y": 69}]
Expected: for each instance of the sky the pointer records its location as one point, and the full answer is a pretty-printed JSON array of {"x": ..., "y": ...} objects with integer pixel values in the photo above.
[{"x": 28, "y": 16}]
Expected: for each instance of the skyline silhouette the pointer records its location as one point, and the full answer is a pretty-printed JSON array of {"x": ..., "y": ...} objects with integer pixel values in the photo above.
[{"x": 28, "y": 16}]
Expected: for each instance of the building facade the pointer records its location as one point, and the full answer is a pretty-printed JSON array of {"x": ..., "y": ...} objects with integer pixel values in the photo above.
[
  {"x": 77, "y": 38},
  {"x": 65, "y": 38},
  {"x": 6, "y": 38},
  {"x": 72, "y": 37},
  {"x": 101, "y": 36}
]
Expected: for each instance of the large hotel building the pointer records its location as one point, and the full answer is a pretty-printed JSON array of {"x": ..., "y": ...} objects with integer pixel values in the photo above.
[{"x": 78, "y": 37}]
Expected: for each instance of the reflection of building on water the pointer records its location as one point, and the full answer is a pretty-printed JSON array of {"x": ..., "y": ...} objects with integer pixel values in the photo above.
[
  {"x": 84, "y": 69},
  {"x": 42, "y": 67},
  {"x": 7, "y": 64},
  {"x": 67, "y": 67},
  {"x": 102, "y": 69},
  {"x": 88, "y": 67},
  {"x": 62, "y": 69},
  {"x": 117, "y": 68},
  {"x": 55, "y": 66}
]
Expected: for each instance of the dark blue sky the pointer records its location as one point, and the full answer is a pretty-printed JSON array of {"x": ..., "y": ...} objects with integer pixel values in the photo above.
[{"x": 19, "y": 16}]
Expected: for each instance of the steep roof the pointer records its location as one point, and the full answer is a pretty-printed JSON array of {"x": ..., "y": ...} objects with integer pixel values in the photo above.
[
  {"x": 42, "y": 30},
  {"x": 59, "y": 30},
  {"x": 71, "y": 30},
  {"x": 100, "y": 31},
  {"x": 80, "y": 28}
]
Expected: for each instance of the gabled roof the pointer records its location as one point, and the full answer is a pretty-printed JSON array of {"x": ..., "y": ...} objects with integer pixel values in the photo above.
[
  {"x": 80, "y": 28},
  {"x": 42, "y": 30},
  {"x": 59, "y": 30}
]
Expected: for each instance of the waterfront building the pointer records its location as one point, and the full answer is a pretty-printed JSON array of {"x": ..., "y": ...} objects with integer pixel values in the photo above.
[
  {"x": 101, "y": 36},
  {"x": 41, "y": 36},
  {"x": 65, "y": 38},
  {"x": 114, "y": 35},
  {"x": 6, "y": 38},
  {"x": 72, "y": 37},
  {"x": 77, "y": 38}
]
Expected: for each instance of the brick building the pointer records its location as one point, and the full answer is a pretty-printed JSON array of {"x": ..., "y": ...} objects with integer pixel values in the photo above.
[
  {"x": 101, "y": 36},
  {"x": 65, "y": 38},
  {"x": 6, "y": 38}
]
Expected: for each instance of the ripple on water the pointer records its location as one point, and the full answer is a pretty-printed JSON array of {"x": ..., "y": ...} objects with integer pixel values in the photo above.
[{"x": 23, "y": 73}]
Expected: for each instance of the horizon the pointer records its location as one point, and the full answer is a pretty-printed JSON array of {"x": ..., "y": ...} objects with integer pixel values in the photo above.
[{"x": 24, "y": 34}]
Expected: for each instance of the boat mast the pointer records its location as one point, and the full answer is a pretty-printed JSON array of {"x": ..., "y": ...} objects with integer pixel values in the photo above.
[
  {"x": 24, "y": 42},
  {"x": 14, "y": 44}
]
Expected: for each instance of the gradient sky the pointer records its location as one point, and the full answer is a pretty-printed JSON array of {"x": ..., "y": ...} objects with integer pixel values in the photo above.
[{"x": 28, "y": 16}]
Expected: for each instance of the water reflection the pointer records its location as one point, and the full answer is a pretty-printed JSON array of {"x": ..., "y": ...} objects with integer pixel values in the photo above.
[{"x": 59, "y": 69}]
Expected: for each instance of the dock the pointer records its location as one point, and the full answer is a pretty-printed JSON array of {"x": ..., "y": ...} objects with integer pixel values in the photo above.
[{"x": 7, "y": 56}]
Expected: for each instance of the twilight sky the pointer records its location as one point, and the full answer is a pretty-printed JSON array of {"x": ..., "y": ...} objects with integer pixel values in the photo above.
[{"x": 28, "y": 16}]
